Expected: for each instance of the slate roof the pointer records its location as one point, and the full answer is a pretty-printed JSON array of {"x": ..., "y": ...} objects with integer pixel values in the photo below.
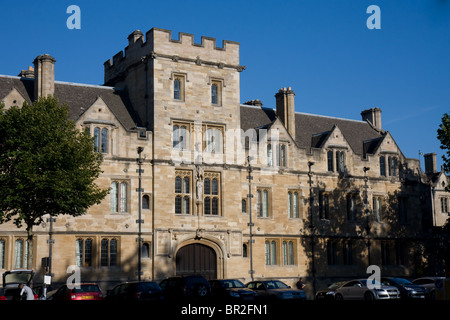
[
  {"x": 312, "y": 130},
  {"x": 78, "y": 97}
]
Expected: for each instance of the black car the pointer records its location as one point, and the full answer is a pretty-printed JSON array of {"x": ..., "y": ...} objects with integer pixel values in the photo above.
[
  {"x": 145, "y": 290},
  {"x": 407, "y": 289},
  {"x": 231, "y": 289},
  {"x": 186, "y": 287}
]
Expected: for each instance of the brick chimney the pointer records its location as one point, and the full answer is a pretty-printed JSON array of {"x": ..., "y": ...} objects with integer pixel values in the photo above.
[
  {"x": 44, "y": 76},
  {"x": 285, "y": 104},
  {"x": 430, "y": 163},
  {"x": 372, "y": 115}
]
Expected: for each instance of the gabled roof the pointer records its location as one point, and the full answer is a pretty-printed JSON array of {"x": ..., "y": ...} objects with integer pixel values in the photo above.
[
  {"x": 312, "y": 130},
  {"x": 79, "y": 97}
]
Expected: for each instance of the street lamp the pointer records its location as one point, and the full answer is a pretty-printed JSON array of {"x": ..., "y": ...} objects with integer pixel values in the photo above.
[
  {"x": 250, "y": 223},
  {"x": 366, "y": 209},
  {"x": 140, "y": 221}
]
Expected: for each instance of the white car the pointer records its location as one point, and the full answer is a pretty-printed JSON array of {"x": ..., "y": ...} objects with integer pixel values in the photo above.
[{"x": 358, "y": 290}]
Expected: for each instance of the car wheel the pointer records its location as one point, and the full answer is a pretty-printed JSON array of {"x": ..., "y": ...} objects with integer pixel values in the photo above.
[
  {"x": 338, "y": 296},
  {"x": 202, "y": 291},
  {"x": 369, "y": 296}
]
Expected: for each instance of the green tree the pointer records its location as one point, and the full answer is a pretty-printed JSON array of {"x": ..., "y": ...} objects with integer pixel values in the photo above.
[
  {"x": 47, "y": 165},
  {"x": 444, "y": 136}
]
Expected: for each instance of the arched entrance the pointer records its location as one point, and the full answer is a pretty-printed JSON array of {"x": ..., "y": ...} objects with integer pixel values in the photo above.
[{"x": 197, "y": 258}]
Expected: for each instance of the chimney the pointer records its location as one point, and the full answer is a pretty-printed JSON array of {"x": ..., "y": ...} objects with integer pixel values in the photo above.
[
  {"x": 372, "y": 115},
  {"x": 27, "y": 73},
  {"x": 44, "y": 76},
  {"x": 285, "y": 104},
  {"x": 134, "y": 36},
  {"x": 430, "y": 163}
]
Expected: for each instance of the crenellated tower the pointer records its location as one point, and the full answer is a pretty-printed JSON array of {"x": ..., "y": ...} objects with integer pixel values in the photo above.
[{"x": 177, "y": 78}]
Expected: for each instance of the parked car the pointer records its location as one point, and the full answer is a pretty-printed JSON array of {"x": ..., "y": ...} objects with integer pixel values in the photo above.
[
  {"x": 275, "y": 289},
  {"x": 231, "y": 289},
  {"x": 187, "y": 287},
  {"x": 407, "y": 289},
  {"x": 11, "y": 281},
  {"x": 81, "y": 291},
  {"x": 328, "y": 293},
  {"x": 358, "y": 290},
  {"x": 145, "y": 290},
  {"x": 430, "y": 284}
]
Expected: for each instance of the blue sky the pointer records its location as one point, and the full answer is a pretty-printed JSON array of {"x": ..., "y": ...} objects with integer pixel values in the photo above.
[{"x": 322, "y": 49}]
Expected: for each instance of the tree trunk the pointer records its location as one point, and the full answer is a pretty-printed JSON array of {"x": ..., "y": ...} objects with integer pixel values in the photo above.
[{"x": 29, "y": 262}]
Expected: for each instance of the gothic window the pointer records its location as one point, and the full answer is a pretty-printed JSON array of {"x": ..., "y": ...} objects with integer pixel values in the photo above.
[
  {"x": 288, "y": 252},
  {"x": 444, "y": 205},
  {"x": 183, "y": 192},
  {"x": 119, "y": 196},
  {"x": 214, "y": 93},
  {"x": 347, "y": 249},
  {"x": 181, "y": 136},
  {"x": 83, "y": 252},
  {"x": 211, "y": 194},
  {"x": 331, "y": 252},
  {"x": 101, "y": 140},
  {"x": 104, "y": 142},
  {"x": 330, "y": 161},
  {"x": 271, "y": 252},
  {"x": 214, "y": 140},
  {"x": 269, "y": 155},
  {"x": 340, "y": 161},
  {"x": 383, "y": 166},
  {"x": 97, "y": 138},
  {"x": 263, "y": 203},
  {"x": 276, "y": 155},
  {"x": 2, "y": 253},
  {"x": 293, "y": 204},
  {"x": 20, "y": 254},
  {"x": 108, "y": 252},
  {"x": 324, "y": 206},
  {"x": 392, "y": 166},
  {"x": 351, "y": 207},
  {"x": 377, "y": 208}
]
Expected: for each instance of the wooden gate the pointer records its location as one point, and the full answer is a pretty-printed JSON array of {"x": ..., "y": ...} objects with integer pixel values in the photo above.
[{"x": 197, "y": 259}]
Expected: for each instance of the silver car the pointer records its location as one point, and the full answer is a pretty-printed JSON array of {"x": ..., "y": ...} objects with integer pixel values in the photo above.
[{"x": 358, "y": 290}]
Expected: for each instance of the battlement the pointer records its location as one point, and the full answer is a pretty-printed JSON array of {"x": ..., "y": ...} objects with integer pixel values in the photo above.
[{"x": 158, "y": 43}]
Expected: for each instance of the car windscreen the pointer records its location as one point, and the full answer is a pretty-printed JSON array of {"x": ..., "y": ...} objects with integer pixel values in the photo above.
[
  {"x": 233, "y": 284},
  {"x": 276, "y": 285}
]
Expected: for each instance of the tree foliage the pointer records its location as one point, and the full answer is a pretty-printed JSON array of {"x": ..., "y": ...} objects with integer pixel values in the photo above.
[
  {"x": 444, "y": 136},
  {"x": 47, "y": 165}
]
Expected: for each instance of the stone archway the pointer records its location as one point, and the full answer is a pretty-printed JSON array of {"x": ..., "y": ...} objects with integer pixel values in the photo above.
[{"x": 196, "y": 258}]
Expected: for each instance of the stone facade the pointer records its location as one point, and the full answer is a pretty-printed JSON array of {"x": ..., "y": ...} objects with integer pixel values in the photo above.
[{"x": 329, "y": 196}]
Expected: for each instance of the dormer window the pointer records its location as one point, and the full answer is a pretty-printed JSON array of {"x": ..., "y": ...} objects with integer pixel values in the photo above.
[{"x": 101, "y": 140}]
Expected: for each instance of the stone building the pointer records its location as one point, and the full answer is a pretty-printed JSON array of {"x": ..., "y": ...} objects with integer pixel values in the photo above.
[{"x": 326, "y": 196}]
